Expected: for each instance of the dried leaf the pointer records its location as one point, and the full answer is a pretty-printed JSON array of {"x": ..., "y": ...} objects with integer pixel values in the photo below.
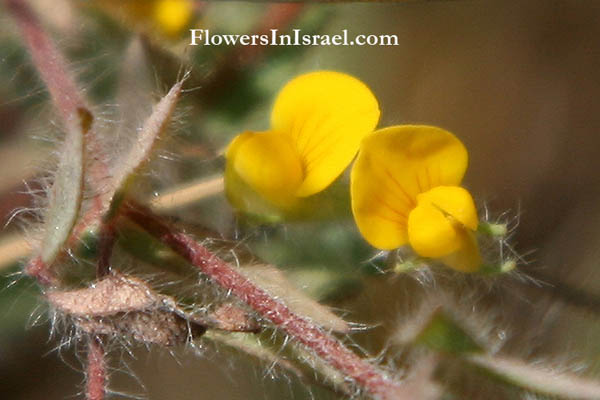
[
  {"x": 116, "y": 293},
  {"x": 231, "y": 318},
  {"x": 150, "y": 327},
  {"x": 274, "y": 282},
  {"x": 122, "y": 305},
  {"x": 125, "y": 306}
]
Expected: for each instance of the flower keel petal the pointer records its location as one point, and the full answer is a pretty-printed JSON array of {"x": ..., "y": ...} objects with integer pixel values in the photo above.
[
  {"x": 454, "y": 201},
  {"x": 430, "y": 233},
  {"x": 467, "y": 258}
]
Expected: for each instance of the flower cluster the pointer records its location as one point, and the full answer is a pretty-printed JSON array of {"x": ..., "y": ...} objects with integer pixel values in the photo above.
[{"x": 405, "y": 182}]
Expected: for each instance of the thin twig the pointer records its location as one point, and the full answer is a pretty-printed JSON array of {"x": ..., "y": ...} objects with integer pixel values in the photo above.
[
  {"x": 187, "y": 194},
  {"x": 12, "y": 249},
  {"x": 367, "y": 376}
]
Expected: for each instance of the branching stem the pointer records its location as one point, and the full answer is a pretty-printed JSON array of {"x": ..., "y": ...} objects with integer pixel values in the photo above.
[{"x": 367, "y": 376}]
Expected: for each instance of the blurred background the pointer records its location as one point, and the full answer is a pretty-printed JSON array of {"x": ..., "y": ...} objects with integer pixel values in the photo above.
[{"x": 518, "y": 82}]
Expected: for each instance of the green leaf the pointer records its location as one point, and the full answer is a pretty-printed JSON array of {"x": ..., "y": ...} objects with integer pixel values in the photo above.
[{"x": 64, "y": 200}]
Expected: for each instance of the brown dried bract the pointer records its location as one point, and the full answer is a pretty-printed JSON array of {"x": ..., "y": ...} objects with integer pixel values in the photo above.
[
  {"x": 124, "y": 306},
  {"x": 229, "y": 317},
  {"x": 116, "y": 293},
  {"x": 159, "y": 327}
]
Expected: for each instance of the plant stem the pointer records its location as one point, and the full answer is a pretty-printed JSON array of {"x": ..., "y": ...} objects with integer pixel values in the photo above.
[
  {"x": 48, "y": 61},
  {"x": 95, "y": 387},
  {"x": 69, "y": 102},
  {"x": 367, "y": 376},
  {"x": 105, "y": 248}
]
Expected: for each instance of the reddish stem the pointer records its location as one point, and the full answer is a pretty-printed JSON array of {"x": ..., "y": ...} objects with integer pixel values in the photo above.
[
  {"x": 105, "y": 247},
  {"x": 48, "y": 60},
  {"x": 37, "y": 269},
  {"x": 95, "y": 387},
  {"x": 276, "y": 16},
  {"x": 68, "y": 100},
  {"x": 330, "y": 349}
]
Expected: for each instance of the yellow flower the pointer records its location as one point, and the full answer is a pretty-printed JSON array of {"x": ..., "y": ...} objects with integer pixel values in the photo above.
[
  {"x": 173, "y": 16},
  {"x": 405, "y": 190},
  {"x": 317, "y": 123}
]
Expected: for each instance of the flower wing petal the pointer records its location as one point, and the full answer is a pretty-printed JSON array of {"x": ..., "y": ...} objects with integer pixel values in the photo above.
[
  {"x": 325, "y": 115},
  {"x": 267, "y": 163}
]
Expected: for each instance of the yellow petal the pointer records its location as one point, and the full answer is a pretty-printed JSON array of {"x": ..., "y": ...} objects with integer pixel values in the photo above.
[
  {"x": 442, "y": 226},
  {"x": 172, "y": 16},
  {"x": 430, "y": 233},
  {"x": 454, "y": 201},
  {"x": 467, "y": 257},
  {"x": 325, "y": 115},
  {"x": 393, "y": 166},
  {"x": 380, "y": 208},
  {"x": 267, "y": 163}
]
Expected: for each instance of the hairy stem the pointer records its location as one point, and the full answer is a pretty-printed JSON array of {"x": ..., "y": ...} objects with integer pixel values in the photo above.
[
  {"x": 368, "y": 377},
  {"x": 95, "y": 387},
  {"x": 48, "y": 60},
  {"x": 105, "y": 248},
  {"x": 72, "y": 107}
]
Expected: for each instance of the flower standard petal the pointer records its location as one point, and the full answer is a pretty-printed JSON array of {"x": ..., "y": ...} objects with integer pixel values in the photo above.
[
  {"x": 395, "y": 165},
  {"x": 325, "y": 115}
]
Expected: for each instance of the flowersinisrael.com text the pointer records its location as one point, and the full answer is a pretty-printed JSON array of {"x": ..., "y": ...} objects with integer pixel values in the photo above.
[{"x": 203, "y": 37}]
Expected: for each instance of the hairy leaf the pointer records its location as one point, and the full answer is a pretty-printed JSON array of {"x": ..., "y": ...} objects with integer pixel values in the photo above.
[
  {"x": 147, "y": 136},
  {"x": 274, "y": 282},
  {"x": 65, "y": 196},
  {"x": 536, "y": 378}
]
